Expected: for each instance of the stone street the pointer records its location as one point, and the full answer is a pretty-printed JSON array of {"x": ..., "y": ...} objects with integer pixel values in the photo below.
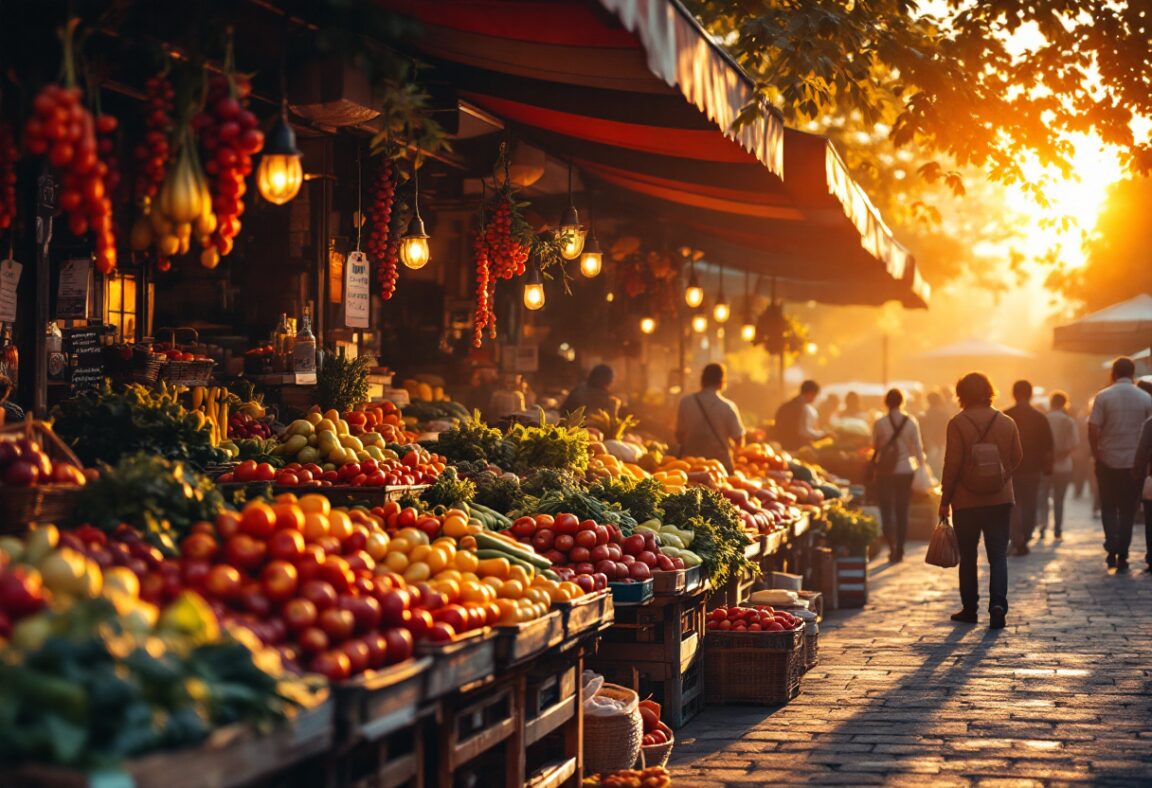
[{"x": 902, "y": 695}]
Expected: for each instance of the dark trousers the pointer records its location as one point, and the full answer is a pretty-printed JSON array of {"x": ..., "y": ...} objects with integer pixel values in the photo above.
[
  {"x": 1119, "y": 497},
  {"x": 993, "y": 522},
  {"x": 1148, "y": 531},
  {"x": 1054, "y": 487},
  {"x": 894, "y": 492},
  {"x": 1026, "y": 489}
]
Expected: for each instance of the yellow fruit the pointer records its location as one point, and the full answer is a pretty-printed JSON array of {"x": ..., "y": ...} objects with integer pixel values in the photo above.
[
  {"x": 377, "y": 545},
  {"x": 413, "y": 535},
  {"x": 466, "y": 561},
  {"x": 396, "y": 561},
  {"x": 438, "y": 559},
  {"x": 512, "y": 589},
  {"x": 519, "y": 573},
  {"x": 417, "y": 572},
  {"x": 121, "y": 580},
  {"x": 420, "y": 553},
  {"x": 315, "y": 503},
  {"x": 449, "y": 574},
  {"x": 449, "y": 588}
]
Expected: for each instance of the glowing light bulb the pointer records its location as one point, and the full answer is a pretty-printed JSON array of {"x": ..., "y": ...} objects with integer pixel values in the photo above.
[
  {"x": 721, "y": 312},
  {"x": 647, "y": 325},
  {"x": 280, "y": 174},
  {"x": 699, "y": 324},
  {"x": 748, "y": 332}
]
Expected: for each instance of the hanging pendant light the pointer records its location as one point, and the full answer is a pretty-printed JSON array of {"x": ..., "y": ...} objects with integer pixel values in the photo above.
[
  {"x": 700, "y": 323},
  {"x": 748, "y": 327},
  {"x": 591, "y": 259},
  {"x": 722, "y": 310},
  {"x": 414, "y": 243},
  {"x": 534, "y": 290},
  {"x": 647, "y": 324},
  {"x": 693, "y": 293},
  {"x": 280, "y": 174},
  {"x": 571, "y": 232}
]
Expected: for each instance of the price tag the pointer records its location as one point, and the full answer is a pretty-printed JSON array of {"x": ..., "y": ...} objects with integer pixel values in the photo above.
[
  {"x": 72, "y": 292},
  {"x": 357, "y": 278},
  {"x": 9, "y": 279}
]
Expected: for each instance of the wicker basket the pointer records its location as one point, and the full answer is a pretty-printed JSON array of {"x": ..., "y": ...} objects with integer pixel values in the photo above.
[
  {"x": 761, "y": 668},
  {"x": 811, "y": 646},
  {"x": 613, "y": 743},
  {"x": 187, "y": 373},
  {"x": 46, "y": 503},
  {"x": 656, "y": 754}
]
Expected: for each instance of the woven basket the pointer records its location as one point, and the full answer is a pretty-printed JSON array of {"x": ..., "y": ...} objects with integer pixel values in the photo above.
[
  {"x": 187, "y": 373},
  {"x": 613, "y": 743},
  {"x": 656, "y": 754},
  {"x": 45, "y": 503},
  {"x": 811, "y": 646},
  {"x": 761, "y": 668}
]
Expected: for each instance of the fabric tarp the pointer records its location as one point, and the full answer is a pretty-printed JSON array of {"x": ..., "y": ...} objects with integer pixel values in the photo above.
[{"x": 1121, "y": 328}]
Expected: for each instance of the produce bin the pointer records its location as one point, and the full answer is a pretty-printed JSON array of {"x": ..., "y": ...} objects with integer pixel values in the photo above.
[
  {"x": 761, "y": 668},
  {"x": 591, "y": 611},
  {"x": 631, "y": 593},
  {"x": 458, "y": 663},
  {"x": 516, "y": 643}
]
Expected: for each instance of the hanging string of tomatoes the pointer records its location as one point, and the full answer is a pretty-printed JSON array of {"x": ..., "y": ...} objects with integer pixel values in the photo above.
[
  {"x": 8, "y": 156},
  {"x": 62, "y": 129},
  {"x": 152, "y": 154},
  {"x": 383, "y": 248}
]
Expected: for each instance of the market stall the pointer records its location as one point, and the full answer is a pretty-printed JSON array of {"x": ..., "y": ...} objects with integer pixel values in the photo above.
[{"x": 244, "y": 551}]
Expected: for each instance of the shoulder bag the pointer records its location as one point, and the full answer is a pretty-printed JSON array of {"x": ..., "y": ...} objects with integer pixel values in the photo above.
[
  {"x": 884, "y": 460},
  {"x": 724, "y": 446}
]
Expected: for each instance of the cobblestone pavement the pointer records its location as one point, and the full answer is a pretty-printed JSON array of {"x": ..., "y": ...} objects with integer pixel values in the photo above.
[{"x": 901, "y": 695}]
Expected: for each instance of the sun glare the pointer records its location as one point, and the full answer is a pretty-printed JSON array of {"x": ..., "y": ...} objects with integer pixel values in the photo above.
[{"x": 1059, "y": 228}]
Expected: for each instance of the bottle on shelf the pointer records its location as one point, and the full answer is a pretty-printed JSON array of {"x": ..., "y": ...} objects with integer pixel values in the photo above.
[
  {"x": 283, "y": 340},
  {"x": 304, "y": 351},
  {"x": 54, "y": 347},
  {"x": 9, "y": 356}
]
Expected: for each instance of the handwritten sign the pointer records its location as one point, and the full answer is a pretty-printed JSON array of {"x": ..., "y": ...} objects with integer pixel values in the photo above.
[
  {"x": 9, "y": 279},
  {"x": 88, "y": 359},
  {"x": 357, "y": 275},
  {"x": 72, "y": 292}
]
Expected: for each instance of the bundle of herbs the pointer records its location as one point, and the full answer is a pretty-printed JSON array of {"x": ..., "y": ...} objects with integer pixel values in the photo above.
[{"x": 720, "y": 536}]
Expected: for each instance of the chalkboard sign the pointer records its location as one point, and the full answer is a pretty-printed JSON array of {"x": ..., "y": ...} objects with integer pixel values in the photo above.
[{"x": 84, "y": 345}]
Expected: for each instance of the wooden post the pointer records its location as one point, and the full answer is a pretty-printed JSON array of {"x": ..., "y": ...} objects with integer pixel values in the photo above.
[{"x": 45, "y": 209}]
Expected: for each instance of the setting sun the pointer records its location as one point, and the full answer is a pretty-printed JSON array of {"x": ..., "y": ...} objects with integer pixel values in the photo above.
[{"x": 1058, "y": 229}]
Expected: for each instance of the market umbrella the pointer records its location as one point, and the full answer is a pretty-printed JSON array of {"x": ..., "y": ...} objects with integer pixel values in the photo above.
[
  {"x": 1143, "y": 361},
  {"x": 1120, "y": 328},
  {"x": 975, "y": 349}
]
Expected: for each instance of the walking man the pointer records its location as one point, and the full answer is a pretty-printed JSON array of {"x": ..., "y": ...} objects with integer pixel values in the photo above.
[
  {"x": 1036, "y": 440},
  {"x": 1066, "y": 438},
  {"x": 1118, "y": 415}
]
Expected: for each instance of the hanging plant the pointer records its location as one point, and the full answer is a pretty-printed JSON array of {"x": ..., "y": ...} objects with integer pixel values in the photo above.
[{"x": 780, "y": 334}]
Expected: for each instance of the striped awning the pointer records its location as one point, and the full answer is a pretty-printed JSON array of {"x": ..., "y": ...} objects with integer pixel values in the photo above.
[{"x": 643, "y": 102}]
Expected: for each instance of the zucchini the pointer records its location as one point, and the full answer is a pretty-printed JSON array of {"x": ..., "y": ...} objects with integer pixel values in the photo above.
[{"x": 527, "y": 555}]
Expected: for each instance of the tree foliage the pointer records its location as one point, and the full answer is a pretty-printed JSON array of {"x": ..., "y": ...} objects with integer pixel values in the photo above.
[{"x": 971, "y": 83}]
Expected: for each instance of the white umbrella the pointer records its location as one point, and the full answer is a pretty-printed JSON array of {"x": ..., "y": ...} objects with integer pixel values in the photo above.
[
  {"x": 1120, "y": 328},
  {"x": 975, "y": 348}
]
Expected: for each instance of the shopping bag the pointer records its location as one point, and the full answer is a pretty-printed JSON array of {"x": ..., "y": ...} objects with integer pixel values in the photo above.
[
  {"x": 923, "y": 482},
  {"x": 943, "y": 550}
]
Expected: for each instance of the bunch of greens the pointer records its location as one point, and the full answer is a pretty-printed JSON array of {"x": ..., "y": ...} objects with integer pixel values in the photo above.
[
  {"x": 581, "y": 504},
  {"x": 640, "y": 498},
  {"x": 163, "y": 498},
  {"x": 549, "y": 446},
  {"x": 544, "y": 480},
  {"x": 470, "y": 441},
  {"x": 851, "y": 529},
  {"x": 93, "y": 694},
  {"x": 342, "y": 383},
  {"x": 449, "y": 490},
  {"x": 105, "y": 425},
  {"x": 720, "y": 537}
]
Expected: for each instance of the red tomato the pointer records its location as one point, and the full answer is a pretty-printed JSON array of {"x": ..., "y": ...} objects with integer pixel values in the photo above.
[
  {"x": 406, "y": 518},
  {"x": 286, "y": 545},
  {"x": 543, "y": 539},
  {"x": 333, "y": 665},
  {"x": 299, "y": 614},
  {"x": 245, "y": 471},
  {"x": 244, "y": 551},
  {"x": 567, "y": 523},
  {"x": 356, "y": 540},
  {"x": 198, "y": 547},
  {"x": 564, "y": 542},
  {"x": 335, "y": 570},
  {"x": 399, "y": 644},
  {"x": 223, "y": 582},
  {"x": 365, "y": 611},
  {"x": 359, "y": 655},
  {"x": 265, "y": 472},
  {"x": 258, "y": 519},
  {"x": 393, "y": 604},
  {"x": 524, "y": 526},
  {"x": 194, "y": 573},
  {"x": 289, "y": 516},
  {"x": 441, "y": 632},
  {"x": 377, "y": 649},
  {"x": 312, "y": 640},
  {"x": 418, "y": 622},
  {"x": 287, "y": 479},
  {"x": 319, "y": 593},
  {"x": 454, "y": 615},
  {"x": 586, "y": 538},
  {"x": 337, "y": 624},
  {"x": 279, "y": 580}
]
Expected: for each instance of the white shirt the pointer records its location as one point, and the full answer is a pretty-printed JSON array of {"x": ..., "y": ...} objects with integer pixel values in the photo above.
[
  {"x": 703, "y": 435},
  {"x": 808, "y": 428},
  {"x": 1065, "y": 438},
  {"x": 908, "y": 444},
  {"x": 1119, "y": 412}
]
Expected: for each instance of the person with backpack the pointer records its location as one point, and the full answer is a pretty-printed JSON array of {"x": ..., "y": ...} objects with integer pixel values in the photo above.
[
  {"x": 983, "y": 450},
  {"x": 897, "y": 451}
]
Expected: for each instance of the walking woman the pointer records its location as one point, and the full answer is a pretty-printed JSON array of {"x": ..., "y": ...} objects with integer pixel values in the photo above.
[
  {"x": 897, "y": 452},
  {"x": 982, "y": 452}
]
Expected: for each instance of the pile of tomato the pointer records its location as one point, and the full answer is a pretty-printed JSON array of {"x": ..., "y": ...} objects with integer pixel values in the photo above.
[{"x": 758, "y": 618}]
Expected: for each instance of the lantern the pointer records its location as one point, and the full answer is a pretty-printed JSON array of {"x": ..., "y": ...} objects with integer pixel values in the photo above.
[{"x": 280, "y": 173}]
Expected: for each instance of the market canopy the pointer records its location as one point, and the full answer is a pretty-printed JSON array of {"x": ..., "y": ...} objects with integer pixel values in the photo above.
[
  {"x": 975, "y": 349},
  {"x": 641, "y": 99},
  {"x": 1120, "y": 328}
]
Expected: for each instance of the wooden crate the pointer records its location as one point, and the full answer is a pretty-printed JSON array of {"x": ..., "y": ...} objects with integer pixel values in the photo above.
[
  {"x": 458, "y": 664},
  {"x": 679, "y": 691},
  {"x": 232, "y": 756},
  {"x": 396, "y": 758},
  {"x": 480, "y": 738},
  {"x": 587, "y": 613},
  {"x": 553, "y": 719},
  {"x": 851, "y": 580},
  {"x": 668, "y": 630},
  {"x": 516, "y": 643},
  {"x": 379, "y": 702},
  {"x": 676, "y": 581}
]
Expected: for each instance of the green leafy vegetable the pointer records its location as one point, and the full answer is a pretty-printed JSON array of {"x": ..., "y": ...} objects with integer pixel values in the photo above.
[
  {"x": 851, "y": 529},
  {"x": 640, "y": 498},
  {"x": 105, "y": 425},
  {"x": 549, "y": 446},
  {"x": 471, "y": 441},
  {"x": 449, "y": 490},
  {"x": 720, "y": 537},
  {"x": 163, "y": 498},
  {"x": 343, "y": 382}
]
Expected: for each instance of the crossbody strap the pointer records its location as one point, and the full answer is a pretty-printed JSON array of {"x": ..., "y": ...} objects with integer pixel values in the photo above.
[
  {"x": 891, "y": 441},
  {"x": 703, "y": 412}
]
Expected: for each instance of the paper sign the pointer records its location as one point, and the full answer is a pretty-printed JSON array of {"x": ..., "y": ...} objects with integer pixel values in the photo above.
[
  {"x": 357, "y": 278},
  {"x": 9, "y": 279},
  {"x": 72, "y": 293}
]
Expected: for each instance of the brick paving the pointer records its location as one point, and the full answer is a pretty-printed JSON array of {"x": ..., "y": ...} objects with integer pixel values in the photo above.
[{"x": 904, "y": 696}]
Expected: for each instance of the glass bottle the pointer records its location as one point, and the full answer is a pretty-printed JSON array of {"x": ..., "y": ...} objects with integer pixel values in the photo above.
[
  {"x": 304, "y": 348},
  {"x": 283, "y": 340},
  {"x": 9, "y": 356},
  {"x": 54, "y": 347}
]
